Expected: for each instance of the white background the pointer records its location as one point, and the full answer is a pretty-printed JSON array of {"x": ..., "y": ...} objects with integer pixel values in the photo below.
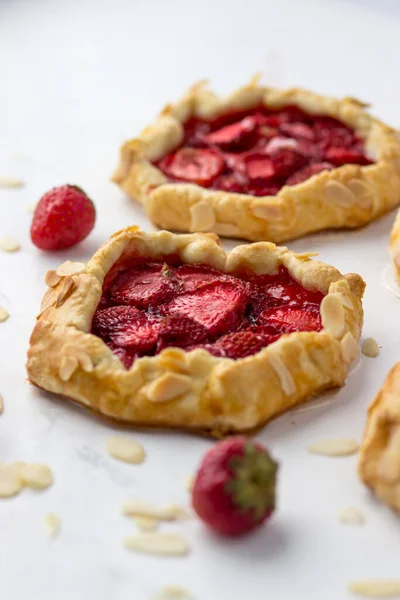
[{"x": 77, "y": 78}]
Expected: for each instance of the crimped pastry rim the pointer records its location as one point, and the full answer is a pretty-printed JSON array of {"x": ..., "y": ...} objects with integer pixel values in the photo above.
[
  {"x": 211, "y": 394},
  {"x": 346, "y": 197},
  {"x": 379, "y": 458}
]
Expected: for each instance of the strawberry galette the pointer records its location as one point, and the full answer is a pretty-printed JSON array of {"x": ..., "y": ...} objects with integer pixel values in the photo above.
[
  {"x": 394, "y": 246},
  {"x": 379, "y": 464},
  {"x": 170, "y": 330},
  {"x": 262, "y": 164}
]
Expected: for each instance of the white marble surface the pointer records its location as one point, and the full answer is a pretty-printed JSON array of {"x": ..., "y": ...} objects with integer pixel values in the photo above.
[{"x": 78, "y": 77}]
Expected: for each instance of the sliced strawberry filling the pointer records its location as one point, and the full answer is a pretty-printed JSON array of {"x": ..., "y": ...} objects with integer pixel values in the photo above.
[
  {"x": 144, "y": 285},
  {"x": 287, "y": 319},
  {"x": 149, "y": 306},
  {"x": 196, "y": 165},
  {"x": 127, "y": 327},
  {"x": 217, "y": 307},
  {"x": 259, "y": 151}
]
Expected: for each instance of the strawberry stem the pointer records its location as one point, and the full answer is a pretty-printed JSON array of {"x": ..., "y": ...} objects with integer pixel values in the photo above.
[{"x": 252, "y": 487}]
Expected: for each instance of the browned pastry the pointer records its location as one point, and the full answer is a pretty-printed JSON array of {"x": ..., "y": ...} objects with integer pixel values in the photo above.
[{"x": 379, "y": 463}]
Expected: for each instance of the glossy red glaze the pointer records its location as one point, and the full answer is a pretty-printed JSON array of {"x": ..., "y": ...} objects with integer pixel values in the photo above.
[
  {"x": 147, "y": 306},
  {"x": 259, "y": 151}
]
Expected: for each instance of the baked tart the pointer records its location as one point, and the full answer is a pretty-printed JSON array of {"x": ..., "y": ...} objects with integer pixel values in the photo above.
[
  {"x": 262, "y": 164},
  {"x": 169, "y": 330},
  {"x": 394, "y": 246},
  {"x": 379, "y": 462}
]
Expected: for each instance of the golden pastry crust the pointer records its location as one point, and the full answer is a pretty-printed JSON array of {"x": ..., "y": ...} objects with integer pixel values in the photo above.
[
  {"x": 379, "y": 462},
  {"x": 346, "y": 197},
  {"x": 394, "y": 245},
  {"x": 192, "y": 390}
]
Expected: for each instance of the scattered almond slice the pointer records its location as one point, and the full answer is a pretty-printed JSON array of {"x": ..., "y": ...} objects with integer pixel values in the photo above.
[
  {"x": 1, "y": 404},
  {"x": 51, "y": 278},
  {"x": 173, "y": 592},
  {"x": 136, "y": 508},
  {"x": 370, "y": 348},
  {"x": 31, "y": 207},
  {"x": 36, "y": 476},
  {"x": 162, "y": 544},
  {"x": 11, "y": 182},
  {"x": 52, "y": 524},
  {"x": 351, "y": 516},
  {"x": 125, "y": 449},
  {"x": 70, "y": 268},
  {"x": 147, "y": 523},
  {"x": 4, "y": 314},
  {"x": 189, "y": 483},
  {"x": 376, "y": 588},
  {"x": 10, "y": 481},
  {"x": 334, "y": 447},
  {"x": 9, "y": 244}
]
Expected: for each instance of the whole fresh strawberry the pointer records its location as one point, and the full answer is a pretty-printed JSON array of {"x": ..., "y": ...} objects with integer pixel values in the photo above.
[
  {"x": 63, "y": 217},
  {"x": 234, "y": 489}
]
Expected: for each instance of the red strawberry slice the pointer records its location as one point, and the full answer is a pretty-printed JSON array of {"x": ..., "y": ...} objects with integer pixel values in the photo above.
[
  {"x": 127, "y": 327},
  {"x": 286, "y": 319},
  {"x": 125, "y": 356},
  {"x": 243, "y": 343},
  {"x": 330, "y": 132},
  {"x": 196, "y": 165},
  {"x": 297, "y": 130},
  {"x": 307, "y": 172},
  {"x": 193, "y": 277},
  {"x": 218, "y": 306},
  {"x": 180, "y": 331},
  {"x": 144, "y": 285},
  {"x": 262, "y": 189},
  {"x": 283, "y": 163},
  {"x": 260, "y": 167},
  {"x": 233, "y": 136},
  {"x": 343, "y": 156},
  {"x": 230, "y": 183},
  {"x": 279, "y": 143}
]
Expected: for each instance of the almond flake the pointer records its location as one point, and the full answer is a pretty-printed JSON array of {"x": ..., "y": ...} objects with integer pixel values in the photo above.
[
  {"x": 332, "y": 315},
  {"x": 4, "y": 314},
  {"x": 189, "y": 483},
  {"x": 1, "y": 404},
  {"x": 36, "y": 476},
  {"x": 168, "y": 387},
  {"x": 70, "y": 268},
  {"x": 10, "y": 481},
  {"x": 202, "y": 217},
  {"x": 9, "y": 244},
  {"x": 146, "y": 523},
  {"x": 376, "y": 588},
  {"x": 10, "y": 182},
  {"x": 67, "y": 287},
  {"x": 51, "y": 278},
  {"x": 370, "y": 348},
  {"x": 173, "y": 592},
  {"x": 162, "y": 544},
  {"x": 31, "y": 207},
  {"x": 351, "y": 516},
  {"x": 52, "y": 524},
  {"x": 226, "y": 229},
  {"x": 68, "y": 366},
  {"x": 349, "y": 348},
  {"x": 125, "y": 449},
  {"x": 284, "y": 375},
  {"x": 136, "y": 508},
  {"x": 334, "y": 447}
]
